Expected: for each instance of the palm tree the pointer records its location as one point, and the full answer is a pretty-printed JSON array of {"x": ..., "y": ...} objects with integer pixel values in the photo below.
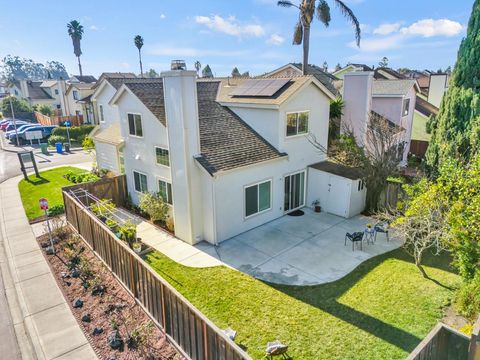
[
  {"x": 307, "y": 11},
  {"x": 138, "y": 40},
  {"x": 75, "y": 30},
  {"x": 198, "y": 66}
]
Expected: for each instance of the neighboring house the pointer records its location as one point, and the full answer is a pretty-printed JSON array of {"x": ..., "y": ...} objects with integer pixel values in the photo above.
[
  {"x": 423, "y": 111},
  {"x": 87, "y": 79},
  {"x": 351, "y": 68},
  {"x": 228, "y": 155},
  {"x": 384, "y": 73},
  {"x": 393, "y": 100},
  {"x": 35, "y": 93},
  {"x": 107, "y": 136},
  {"x": 77, "y": 96}
]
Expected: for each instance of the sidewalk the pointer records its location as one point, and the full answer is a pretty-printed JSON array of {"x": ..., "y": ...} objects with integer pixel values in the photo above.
[{"x": 36, "y": 302}]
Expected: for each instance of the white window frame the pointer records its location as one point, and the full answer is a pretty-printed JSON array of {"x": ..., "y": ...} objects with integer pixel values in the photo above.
[
  {"x": 140, "y": 173},
  {"x": 403, "y": 107},
  {"x": 128, "y": 124},
  {"x": 270, "y": 180},
  {"x": 162, "y": 148},
  {"x": 74, "y": 94},
  {"x": 159, "y": 178},
  {"x": 304, "y": 189},
  {"x": 286, "y": 123},
  {"x": 101, "y": 115}
]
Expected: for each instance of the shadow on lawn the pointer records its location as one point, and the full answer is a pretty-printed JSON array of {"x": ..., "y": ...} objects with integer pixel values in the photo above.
[
  {"x": 37, "y": 180},
  {"x": 325, "y": 297}
]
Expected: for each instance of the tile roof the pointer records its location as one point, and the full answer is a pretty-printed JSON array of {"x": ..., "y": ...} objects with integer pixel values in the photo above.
[
  {"x": 392, "y": 87},
  {"x": 338, "y": 169},
  {"x": 150, "y": 93},
  {"x": 35, "y": 92},
  {"x": 85, "y": 78},
  {"x": 226, "y": 141}
]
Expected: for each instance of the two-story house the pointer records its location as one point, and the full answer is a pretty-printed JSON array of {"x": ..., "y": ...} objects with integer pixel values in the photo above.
[{"x": 227, "y": 154}]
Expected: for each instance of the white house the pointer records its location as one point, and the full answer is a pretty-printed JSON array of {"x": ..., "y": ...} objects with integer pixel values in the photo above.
[{"x": 227, "y": 154}]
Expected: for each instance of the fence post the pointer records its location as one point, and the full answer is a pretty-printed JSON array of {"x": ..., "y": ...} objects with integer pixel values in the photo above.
[
  {"x": 132, "y": 277},
  {"x": 163, "y": 308},
  {"x": 205, "y": 340},
  {"x": 474, "y": 349}
]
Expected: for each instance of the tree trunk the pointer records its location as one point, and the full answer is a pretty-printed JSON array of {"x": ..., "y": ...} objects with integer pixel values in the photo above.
[
  {"x": 418, "y": 263},
  {"x": 141, "y": 66},
  {"x": 306, "y": 47},
  {"x": 79, "y": 66}
]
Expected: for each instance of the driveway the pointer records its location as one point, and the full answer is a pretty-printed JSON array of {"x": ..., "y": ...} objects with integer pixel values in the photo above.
[{"x": 303, "y": 250}]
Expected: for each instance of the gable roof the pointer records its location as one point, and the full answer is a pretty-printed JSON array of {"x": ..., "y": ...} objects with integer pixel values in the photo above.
[
  {"x": 36, "y": 92},
  {"x": 387, "y": 73},
  {"x": 392, "y": 87},
  {"x": 360, "y": 67},
  {"x": 85, "y": 78},
  {"x": 150, "y": 93},
  {"x": 324, "y": 77},
  {"x": 48, "y": 83},
  {"x": 115, "y": 79},
  {"x": 226, "y": 141}
]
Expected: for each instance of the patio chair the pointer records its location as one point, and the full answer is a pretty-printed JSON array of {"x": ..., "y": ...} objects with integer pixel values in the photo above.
[
  {"x": 276, "y": 348},
  {"x": 355, "y": 237},
  {"x": 381, "y": 227}
]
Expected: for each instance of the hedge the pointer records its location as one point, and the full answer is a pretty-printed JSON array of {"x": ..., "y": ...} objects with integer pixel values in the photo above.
[{"x": 77, "y": 133}]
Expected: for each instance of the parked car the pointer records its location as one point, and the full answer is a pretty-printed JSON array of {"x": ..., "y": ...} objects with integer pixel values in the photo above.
[
  {"x": 19, "y": 128},
  {"x": 11, "y": 126},
  {"x": 22, "y": 136}
]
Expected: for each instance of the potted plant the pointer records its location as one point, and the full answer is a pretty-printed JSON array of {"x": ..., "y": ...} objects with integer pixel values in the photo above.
[
  {"x": 316, "y": 206},
  {"x": 128, "y": 232},
  {"x": 137, "y": 247}
]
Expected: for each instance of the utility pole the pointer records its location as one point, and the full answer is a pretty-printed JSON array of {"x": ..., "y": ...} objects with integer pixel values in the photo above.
[{"x": 13, "y": 118}]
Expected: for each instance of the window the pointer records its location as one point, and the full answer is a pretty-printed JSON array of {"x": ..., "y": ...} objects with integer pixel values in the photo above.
[
  {"x": 135, "y": 125},
  {"x": 165, "y": 191},
  {"x": 100, "y": 111},
  {"x": 258, "y": 198},
  {"x": 406, "y": 106},
  {"x": 75, "y": 94},
  {"x": 140, "y": 182},
  {"x": 162, "y": 156},
  {"x": 56, "y": 93},
  {"x": 297, "y": 123}
]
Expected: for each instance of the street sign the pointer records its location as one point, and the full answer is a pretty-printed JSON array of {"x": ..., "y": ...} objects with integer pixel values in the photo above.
[
  {"x": 27, "y": 161},
  {"x": 43, "y": 204},
  {"x": 33, "y": 135}
]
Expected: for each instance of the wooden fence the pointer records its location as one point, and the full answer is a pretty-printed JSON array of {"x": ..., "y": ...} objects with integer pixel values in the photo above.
[
  {"x": 112, "y": 188},
  {"x": 185, "y": 326},
  {"x": 390, "y": 196},
  {"x": 418, "y": 148},
  {"x": 442, "y": 343},
  {"x": 75, "y": 120}
]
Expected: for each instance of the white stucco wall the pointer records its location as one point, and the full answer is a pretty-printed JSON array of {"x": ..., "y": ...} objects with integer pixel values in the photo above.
[
  {"x": 139, "y": 153},
  {"x": 102, "y": 96},
  {"x": 357, "y": 198},
  {"x": 107, "y": 157}
]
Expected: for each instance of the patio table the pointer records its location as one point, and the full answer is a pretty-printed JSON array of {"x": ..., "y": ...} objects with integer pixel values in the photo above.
[{"x": 370, "y": 235}]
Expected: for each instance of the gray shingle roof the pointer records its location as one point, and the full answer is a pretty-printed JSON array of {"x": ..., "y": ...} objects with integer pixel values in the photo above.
[
  {"x": 392, "y": 87},
  {"x": 226, "y": 141},
  {"x": 150, "y": 93},
  {"x": 35, "y": 92},
  {"x": 115, "y": 79},
  {"x": 85, "y": 78},
  {"x": 339, "y": 169},
  {"x": 325, "y": 78}
]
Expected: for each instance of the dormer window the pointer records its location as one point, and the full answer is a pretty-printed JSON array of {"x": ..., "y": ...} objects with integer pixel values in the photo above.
[{"x": 297, "y": 123}]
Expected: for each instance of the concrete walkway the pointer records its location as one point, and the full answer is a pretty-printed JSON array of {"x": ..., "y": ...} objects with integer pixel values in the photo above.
[{"x": 40, "y": 310}]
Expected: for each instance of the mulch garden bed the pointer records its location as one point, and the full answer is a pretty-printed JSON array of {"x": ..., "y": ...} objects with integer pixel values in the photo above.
[{"x": 115, "y": 325}]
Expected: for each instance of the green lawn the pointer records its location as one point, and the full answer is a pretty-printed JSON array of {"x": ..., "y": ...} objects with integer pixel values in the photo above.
[
  {"x": 381, "y": 310},
  {"x": 49, "y": 186}
]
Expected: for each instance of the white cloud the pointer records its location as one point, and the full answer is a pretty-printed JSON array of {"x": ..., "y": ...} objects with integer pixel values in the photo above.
[
  {"x": 430, "y": 27},
  {"x": 93, "y": 28},
  {"x": 375, "y": 44},
  {"x": 275, "y": 39},
  {"x": 162, "y": 16},
  {"x": 387, "y": 28},
  {"x": 230, "y": 26}
]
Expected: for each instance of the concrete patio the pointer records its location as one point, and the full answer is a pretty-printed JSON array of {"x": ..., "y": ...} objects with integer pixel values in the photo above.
[{"x": 304, "y": 250}]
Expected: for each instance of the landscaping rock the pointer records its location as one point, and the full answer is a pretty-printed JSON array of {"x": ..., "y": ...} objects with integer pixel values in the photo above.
[
  {"x": 98, "y": 290},
  {"x": 78, "y": 303},
  {"x": 86, "y": 318},
  {"x": 97, "y": 331},
  {"x": 114, "y": 340}
]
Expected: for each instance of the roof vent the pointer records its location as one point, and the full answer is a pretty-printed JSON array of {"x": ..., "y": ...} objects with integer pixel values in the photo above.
[{"x": 178, "y": 65}]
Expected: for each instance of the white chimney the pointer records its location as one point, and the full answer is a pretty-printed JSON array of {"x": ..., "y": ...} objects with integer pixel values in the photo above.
[
  {"x": 357, "y": 99},
  {"x": 181, "y": 109}
]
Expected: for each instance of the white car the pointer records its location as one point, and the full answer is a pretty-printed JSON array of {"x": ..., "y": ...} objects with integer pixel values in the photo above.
[{"x": 20, "y": 127}]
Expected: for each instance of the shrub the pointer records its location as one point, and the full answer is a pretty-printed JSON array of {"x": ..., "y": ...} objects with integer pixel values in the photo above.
[
  {"x": 467, "y": 300},
  {"x": 154, "y": 206},
  {"x": 55, "y": 210},
  {"x": 128, "y": 232},
  {"x": 44, "y": 109},
  {"x": 80, "y": 178},
  {"x": 57, "y": 139},
  {"x": 170, "y": 225},
  {"x": 19, "y": 105},
  {"x": 77, "y": 133}
]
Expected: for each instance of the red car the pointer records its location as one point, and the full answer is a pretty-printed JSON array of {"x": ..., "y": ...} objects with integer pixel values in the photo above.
[{"x": 6, "y": 124}]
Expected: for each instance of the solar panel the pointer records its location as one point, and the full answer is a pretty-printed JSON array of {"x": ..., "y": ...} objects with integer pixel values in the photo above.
[{"x": 259, "y": 87}]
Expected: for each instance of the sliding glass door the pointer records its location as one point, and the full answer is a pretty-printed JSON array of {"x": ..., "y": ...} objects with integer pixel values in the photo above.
[{"x": 294, "y": 191}]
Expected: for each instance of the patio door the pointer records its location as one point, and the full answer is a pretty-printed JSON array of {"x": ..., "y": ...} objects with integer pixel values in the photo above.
[{"x": 294, "y": 191}]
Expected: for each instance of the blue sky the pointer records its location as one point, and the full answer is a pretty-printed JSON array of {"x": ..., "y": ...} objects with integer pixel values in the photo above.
[{"x": 254, "y": 35}]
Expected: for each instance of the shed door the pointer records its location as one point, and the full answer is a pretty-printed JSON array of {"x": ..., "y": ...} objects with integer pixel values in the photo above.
[{"x": 338, "y": 196}]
